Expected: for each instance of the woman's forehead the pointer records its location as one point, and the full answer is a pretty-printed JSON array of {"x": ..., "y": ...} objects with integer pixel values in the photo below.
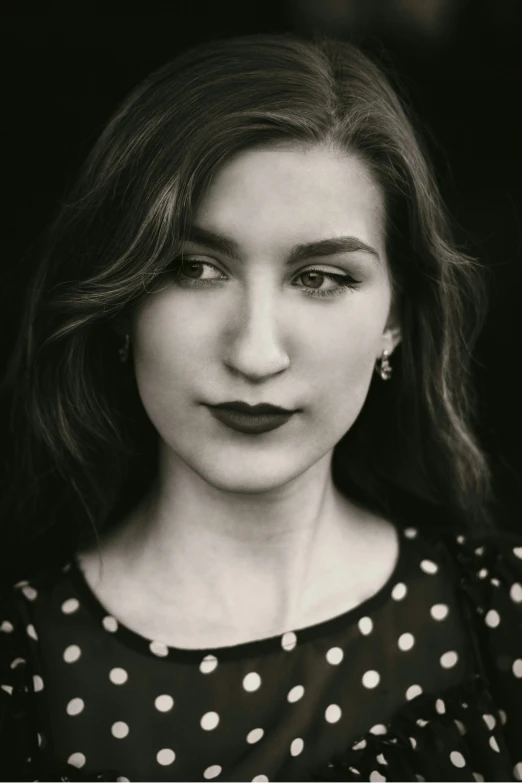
[{"x": 294, "y": 196}]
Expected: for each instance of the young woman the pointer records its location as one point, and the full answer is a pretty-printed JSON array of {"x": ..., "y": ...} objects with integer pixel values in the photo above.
[{"x": 245, "y": 377}]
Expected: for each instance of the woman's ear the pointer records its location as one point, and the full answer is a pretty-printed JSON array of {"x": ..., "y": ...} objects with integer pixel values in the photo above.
[
  {"x": 394, "y": 336},
  {"x": 392, "y": 330}
]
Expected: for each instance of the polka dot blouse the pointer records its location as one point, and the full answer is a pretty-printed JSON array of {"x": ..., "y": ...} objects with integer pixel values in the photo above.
[{"x": 422, "y": 681}]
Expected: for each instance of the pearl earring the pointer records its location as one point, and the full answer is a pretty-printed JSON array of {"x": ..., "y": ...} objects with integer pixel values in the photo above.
[{"x": 384, "y": 367}]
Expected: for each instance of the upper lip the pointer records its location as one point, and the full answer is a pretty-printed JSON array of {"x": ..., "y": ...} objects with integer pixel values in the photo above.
[{"x": 244, "y": 407}]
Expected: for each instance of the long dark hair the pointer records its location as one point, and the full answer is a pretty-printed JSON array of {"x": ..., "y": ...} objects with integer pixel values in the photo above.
[{"x": 84, "y": 448}]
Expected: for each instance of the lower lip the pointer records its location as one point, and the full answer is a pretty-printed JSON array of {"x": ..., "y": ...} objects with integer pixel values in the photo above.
[{"x": 250, "y": 423}]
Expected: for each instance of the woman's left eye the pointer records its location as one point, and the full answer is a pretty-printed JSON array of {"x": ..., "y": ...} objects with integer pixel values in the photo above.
[{"x": 186, "y": 267}]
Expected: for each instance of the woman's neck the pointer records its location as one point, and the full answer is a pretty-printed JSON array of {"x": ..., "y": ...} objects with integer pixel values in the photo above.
[{"x": 212, "y": 568}]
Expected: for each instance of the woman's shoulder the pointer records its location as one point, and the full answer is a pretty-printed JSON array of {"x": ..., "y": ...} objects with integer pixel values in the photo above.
[
  {"x": 20, "y": 606},
  {"x": 486, "y": 555},
  {"x": 474, "y": 725},
  {"x": 22, "y": 600},
  {"x": 487, "y": 564}
]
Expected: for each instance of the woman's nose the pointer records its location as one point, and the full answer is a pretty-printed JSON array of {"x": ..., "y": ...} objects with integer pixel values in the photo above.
[{"x": 254, "y": 346}]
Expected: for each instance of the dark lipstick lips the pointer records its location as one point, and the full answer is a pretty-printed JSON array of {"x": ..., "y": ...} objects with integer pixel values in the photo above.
[
  {"x": 253, "y": 424},
  {"x": 260, "y": 408}
]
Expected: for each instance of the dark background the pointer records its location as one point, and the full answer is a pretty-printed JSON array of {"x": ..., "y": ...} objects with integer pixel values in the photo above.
[{"x": 457, "y": 60}]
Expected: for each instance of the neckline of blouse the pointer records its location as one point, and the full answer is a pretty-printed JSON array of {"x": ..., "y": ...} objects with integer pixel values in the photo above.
[{"x": 285, "y": 641}]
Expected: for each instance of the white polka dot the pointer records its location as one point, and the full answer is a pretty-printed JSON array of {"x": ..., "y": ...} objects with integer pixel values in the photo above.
[
  {"x": 70, "y": 606},
  {"x": 6, "y": 627},
  {"x": 494, "y": 744},
  {"x": 410, "y": 532},
  {"x": 380, "y": 758},
  {"x": 399, "y": 591},
  {"x": 517, "y": 771},
  {"x": 517, "y": 667},
  {"x": 37, "y": 683},
  {"x": 516, "y": 592},
  {"x": 288, "y": 641},
  {"x": 439, "y": 611},
  {"x": 212, "y": 772},
  {"x": 122, "y": 779},
  {"x": 333, "y": 713},
  {"x": 17, "y": 662},
  {"x": 413, "y": 742},
  {"x": 420, "y": 779},
  {"x": 479, "y": 550},
  {"x": 32, "y": 632},
  {"x": 208, "y": 664},
  {"x": 371, "y": 679},
  {"x": 492, "y": 618},
  {"x": 22, "y": 583},
  {"x": 40, "y": 740},
  {"x": 482, "y": 574},
  {"x": 118, "y": 676},
  {"x": 379, "y": 728},
  {"x": 457, "y": 759},
  {"x": 440, "y": 706},
  {"x": 251, "y": 681},
  {"x": 376, "y": 777},
  {"x": 503, "y": 717},
  {"x": 429, "y": 567},
  {"x": 413, "y": 691},
  {"x": 461, "y": 539},
  {"x": 71, "y": 653},
  {"x": 164, "y": 703},
  {"x": 365, "y": 625},
  {"x": 29, "y": 593},
  {"x": 297, "y": 746},
  {"x": 490, "y": 721},
  {"x": 478, "y": 777},
  {"x": 110, "y": 623},
  {"x": 295, "y": 693},
  {"x": 494, "y": 581},
  {"x": 460, "y": 726},
  {"x": 334, "y": 655},
  {"x": 76, "y": 760},
  {"x": 165, "y": 757},
  {"x": 75, "y": 706},
  {"x": 359, "y": 745},
  {"x": 406, "y": 641},
  {"x": 119, "y": 729},
  {"x": 420, "y": 722},
  {"x": 159, "y": 648},
  {"x": 7, "y": 688},
  {"x": 254, "y": 736},
  {"x": 449, "y": 659},
  {"x": 517, "y": 551},
  {"x": 260, "y": 779},
  {"x": 209, "y": 721}
]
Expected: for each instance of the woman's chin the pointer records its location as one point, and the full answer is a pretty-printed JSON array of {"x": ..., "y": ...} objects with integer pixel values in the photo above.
[{"x": 250, "y": 478}]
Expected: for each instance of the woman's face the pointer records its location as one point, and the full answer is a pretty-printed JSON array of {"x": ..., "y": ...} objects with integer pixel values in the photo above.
[{"x": 256, "y": 325}]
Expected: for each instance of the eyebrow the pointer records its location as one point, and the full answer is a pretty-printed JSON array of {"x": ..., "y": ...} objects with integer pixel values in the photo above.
[{"x": 301, "y": 252}]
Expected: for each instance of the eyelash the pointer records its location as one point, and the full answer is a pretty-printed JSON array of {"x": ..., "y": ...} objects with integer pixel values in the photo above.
[{"x": 344, "y": 281}]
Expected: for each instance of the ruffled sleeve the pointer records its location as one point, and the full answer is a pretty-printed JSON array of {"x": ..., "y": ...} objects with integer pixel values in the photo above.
[
  {"x": 18, "y": 735},
  {"x": 472, "y": 731}
]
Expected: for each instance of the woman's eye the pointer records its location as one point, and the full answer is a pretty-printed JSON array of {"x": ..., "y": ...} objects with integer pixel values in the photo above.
[
  {"x": 317, "y": 277},
  {"x": 192, "y": 270},
  {"x": 188, "y": 272}
]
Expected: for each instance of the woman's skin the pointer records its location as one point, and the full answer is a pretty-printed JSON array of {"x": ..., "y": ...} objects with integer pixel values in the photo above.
[{"x": 245, "y": 536}]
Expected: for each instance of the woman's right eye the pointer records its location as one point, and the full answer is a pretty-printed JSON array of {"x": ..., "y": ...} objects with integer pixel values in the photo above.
[{"x": 188, "y": 271}]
